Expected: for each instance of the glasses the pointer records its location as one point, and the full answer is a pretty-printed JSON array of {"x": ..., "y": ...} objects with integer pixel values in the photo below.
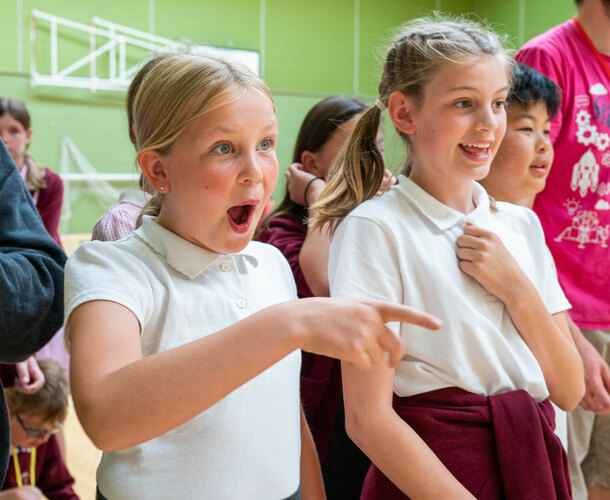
[{"x": 38, "y": 432}]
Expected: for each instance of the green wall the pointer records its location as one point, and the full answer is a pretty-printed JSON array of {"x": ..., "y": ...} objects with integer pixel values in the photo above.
[
  {"x": 524, "y": 19},
  {"x": 309, "y": 50}
]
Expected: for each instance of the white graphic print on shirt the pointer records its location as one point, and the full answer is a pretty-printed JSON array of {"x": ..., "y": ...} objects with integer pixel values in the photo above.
[
  {"x": 585, "y": 228},
  {"x": 586, "y": 178}
]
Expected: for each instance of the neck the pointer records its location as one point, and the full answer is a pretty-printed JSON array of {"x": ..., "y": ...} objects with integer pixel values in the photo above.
[
  {"x": 19, "y": 162},
  {"x": 457, "y": 195},
  {"x": 594, "y": 17},
  {"x": 498, "y": 194}
]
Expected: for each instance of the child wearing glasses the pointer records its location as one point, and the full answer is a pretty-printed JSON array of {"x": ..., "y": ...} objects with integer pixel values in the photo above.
[{"x": 35, "y": 466}]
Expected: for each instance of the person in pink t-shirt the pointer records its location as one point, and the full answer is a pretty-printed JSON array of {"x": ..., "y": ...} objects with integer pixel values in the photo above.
[{"x": 574, "y": 210}]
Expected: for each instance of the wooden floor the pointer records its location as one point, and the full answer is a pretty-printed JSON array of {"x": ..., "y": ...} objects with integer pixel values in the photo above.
[{"x": 83, "y": 457}]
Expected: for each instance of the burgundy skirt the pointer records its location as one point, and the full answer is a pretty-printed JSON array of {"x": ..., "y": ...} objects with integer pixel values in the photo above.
[{"x": 498, "y": 447}]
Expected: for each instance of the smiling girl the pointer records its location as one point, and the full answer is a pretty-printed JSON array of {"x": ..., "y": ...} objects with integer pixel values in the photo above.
[
  {"x": 184, "y": 335},
  {"x": 466, "y": 412}
]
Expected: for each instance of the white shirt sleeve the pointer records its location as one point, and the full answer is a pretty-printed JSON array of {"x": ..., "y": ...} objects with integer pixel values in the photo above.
[
  {"x": 100, "y": 271},
  {"x": 363, "y": 263},
  {"x": 548, "y": 287}
]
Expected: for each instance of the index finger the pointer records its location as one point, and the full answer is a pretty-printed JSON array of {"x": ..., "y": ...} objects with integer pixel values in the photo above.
[
  {"x": 392, "y": 344},
  {"x": 405, "y": 314},
  {"x": 473, "y": 230}
]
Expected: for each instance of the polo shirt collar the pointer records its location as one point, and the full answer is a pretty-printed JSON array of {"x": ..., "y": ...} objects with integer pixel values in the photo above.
[
  {"x": 184, "y": 256},
  {"x": 440, "y": 214}
]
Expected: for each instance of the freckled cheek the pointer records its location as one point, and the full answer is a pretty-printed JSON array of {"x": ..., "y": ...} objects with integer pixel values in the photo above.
[
  {"x": 217, "y": 180},
  {"x": 271, "y": 173}
]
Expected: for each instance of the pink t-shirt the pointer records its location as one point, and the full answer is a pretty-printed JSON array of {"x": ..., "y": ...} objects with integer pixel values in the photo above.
[{"x": 574, "y": 208}]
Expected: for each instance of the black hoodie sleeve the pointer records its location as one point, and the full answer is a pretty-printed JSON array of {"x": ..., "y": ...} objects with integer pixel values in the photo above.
[{"x": 31, "y": 271}]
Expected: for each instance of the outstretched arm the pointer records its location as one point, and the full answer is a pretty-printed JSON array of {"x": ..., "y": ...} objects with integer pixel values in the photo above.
[
  {"x": 31, "y": 271},
  {"x": 123, "y": 399}
]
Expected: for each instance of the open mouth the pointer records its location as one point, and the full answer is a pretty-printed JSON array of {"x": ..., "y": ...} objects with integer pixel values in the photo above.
[
  {"x": 476, "y": 151},
  {"x": 240, "y": 216}
]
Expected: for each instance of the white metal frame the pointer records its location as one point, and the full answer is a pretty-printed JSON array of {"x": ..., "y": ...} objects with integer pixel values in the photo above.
[{"x": 118, "y": 39}]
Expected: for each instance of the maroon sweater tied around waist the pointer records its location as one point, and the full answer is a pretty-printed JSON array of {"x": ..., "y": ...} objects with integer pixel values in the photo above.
[{"x": 498, "y": 447}]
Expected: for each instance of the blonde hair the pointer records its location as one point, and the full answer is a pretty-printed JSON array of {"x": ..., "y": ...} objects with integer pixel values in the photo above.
[
  {"x": 421, "y": 48},
  {"x": 51, "y": 401},
  {"x": 172, "y": 91},
  {"x": 35, "y": 178}
]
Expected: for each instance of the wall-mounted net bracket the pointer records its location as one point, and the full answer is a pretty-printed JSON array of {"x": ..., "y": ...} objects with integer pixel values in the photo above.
[{"x": 110, "y": 58}]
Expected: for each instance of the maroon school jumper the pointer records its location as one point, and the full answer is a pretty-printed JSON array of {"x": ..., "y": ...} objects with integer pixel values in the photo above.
[
  {"x": 498, "y": 447},
  {"x": 320, "y": 375},
  {"x": 52, "y": 476},
  {"x": 49, "y": 202}
]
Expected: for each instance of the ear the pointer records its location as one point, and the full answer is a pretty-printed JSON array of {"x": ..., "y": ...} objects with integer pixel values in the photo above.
[
  {"x": 29, "y": 137},
  {"x": 154, "y": 167},
  {"x": 401, "y": 109},
  {"x": 309, "y": 161}
]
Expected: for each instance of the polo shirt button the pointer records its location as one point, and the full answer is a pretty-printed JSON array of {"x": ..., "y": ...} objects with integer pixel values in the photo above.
[
  {"x": 225, "y": 266},
  {"x": 241, "y": 303}
]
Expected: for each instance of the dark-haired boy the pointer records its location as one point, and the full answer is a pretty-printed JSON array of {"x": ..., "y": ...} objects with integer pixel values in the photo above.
[{"x": 523, "y": 161}]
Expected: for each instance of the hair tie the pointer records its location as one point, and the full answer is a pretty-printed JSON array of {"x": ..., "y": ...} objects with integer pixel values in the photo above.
[
  {"x": 381, "y": 106},
  {"x": 307, "y": 188}
]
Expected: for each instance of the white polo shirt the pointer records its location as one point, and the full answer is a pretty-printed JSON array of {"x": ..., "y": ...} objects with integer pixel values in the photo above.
[
  {"x": 248, "y": 444},
  {"x": 401, "y": 247}
]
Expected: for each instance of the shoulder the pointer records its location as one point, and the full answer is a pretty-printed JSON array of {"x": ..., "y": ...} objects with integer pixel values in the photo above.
[
  {"x": 54, "y": 183},
  {"x": 51, "y": 177},
  {"x": 552, "y": 40},
  {"x": 551, "y": 52},
  {"x": 383, "y": 210},
  {"x": 54, "y": 190},
  {"x": 373, "y": 224},
  {"x": 522, "y": 222},
  {"x": 107, "y": 258},
  {"x": 117, "y": 222},
  {"x": 517, "y": 215},
  {"x": 122, "y": 271}
]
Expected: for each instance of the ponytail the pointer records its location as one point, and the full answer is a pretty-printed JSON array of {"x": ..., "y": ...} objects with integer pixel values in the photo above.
[
  {"x": 35, "y": 178},
  {"x": 355, "y": 175}
]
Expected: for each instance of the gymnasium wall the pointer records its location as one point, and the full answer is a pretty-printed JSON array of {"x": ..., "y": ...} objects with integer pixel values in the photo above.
[{"x": 309, "y": 50}]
